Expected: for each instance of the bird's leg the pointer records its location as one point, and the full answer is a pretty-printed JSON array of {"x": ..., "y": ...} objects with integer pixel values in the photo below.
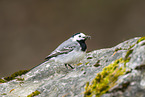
[
  {"x": 66, "y": 66},
  {"x": 69, "y": 66}
]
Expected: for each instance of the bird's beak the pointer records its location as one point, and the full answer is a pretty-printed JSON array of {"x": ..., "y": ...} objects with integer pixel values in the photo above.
[{"x": 87, "y": 36}]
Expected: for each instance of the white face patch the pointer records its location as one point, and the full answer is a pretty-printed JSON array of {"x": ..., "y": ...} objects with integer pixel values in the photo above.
[{"x": 80, "y": 36}]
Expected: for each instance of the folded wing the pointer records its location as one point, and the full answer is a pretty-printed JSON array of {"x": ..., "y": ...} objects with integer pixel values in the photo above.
[{"x": 62, "y": 50}]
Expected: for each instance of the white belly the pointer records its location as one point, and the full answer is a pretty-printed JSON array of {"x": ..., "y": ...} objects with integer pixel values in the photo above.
[{"x": 71, "y": 58}]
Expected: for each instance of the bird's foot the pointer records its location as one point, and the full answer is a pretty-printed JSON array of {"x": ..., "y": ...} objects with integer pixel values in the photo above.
[{"x": 69, "y": 66}]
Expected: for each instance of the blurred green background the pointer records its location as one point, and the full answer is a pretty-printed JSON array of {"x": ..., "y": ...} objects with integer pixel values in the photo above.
[{"x": 31, "y": 29}]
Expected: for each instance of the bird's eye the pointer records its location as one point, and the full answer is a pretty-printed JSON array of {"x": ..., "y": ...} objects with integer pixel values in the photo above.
[{"x": 79, "y": 35}]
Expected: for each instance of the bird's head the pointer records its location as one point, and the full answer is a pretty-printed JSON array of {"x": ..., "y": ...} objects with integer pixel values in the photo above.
[{"x": 79, "y": 37}]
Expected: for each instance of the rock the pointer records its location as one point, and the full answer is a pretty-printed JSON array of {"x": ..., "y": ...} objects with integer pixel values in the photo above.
[{"x": 50, "y": 79}]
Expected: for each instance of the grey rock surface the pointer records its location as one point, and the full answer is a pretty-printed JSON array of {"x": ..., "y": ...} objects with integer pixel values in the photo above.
[{"x": 54, "y": 80}]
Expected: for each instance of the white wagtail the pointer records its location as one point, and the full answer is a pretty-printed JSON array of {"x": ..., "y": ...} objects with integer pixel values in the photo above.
[{"x": 70, "y": 51}]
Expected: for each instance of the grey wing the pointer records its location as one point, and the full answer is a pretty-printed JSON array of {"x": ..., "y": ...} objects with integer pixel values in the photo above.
[{"x": 64, "y": 48}]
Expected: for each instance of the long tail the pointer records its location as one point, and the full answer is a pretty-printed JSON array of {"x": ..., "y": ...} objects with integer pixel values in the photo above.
[{"x": 47, "y": 58}]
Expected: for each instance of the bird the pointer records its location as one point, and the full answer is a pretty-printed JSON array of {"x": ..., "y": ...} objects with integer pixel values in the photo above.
[{"x": 70, "y": 51}]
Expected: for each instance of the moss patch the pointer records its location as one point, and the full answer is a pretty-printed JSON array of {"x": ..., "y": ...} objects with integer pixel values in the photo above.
[
  {"x": 20, "y": 79},
  {"x": 19, "y": 73},
  {"x": 2, "y": 81},
  {"x": 127, "y": 54},
  {"x": 4, "y": 94},
  {"x": 88, "y": 51},
  {"x": 34, "y": 94},
  {"x": 117, "y": 49},
  {"x": 105, "y": 79},
  {"x": 97, "y": 63},
  {"x": 90, "y": 58},
  {"x": 86, "y": 63},
  {"x": 130, "y": 50},
  {"x": 79, "y": 64},
  {"x": 141, "y": 39}
]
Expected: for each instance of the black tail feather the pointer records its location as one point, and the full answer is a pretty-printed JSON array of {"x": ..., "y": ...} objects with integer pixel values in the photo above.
[{"x": 47, "y": 58}]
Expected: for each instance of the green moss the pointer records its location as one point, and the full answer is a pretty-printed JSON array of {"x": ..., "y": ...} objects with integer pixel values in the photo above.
[
  {"x": 34, "y": 94},
  {"x": 79, "y": 64},
  {"x": 105, "y": 79},
  {"x": 20, "y": 79},
  {"x": 82, "y": 69},
  {"x": 19, "y": 73},
  {"x": 117, "y": 49},
  {"x": 130, "y": 50},
  {"x": 127, "y": 54},
  {"x": 2, "y": 81},
  {"x": 90, "y": 58},
  {"x": 141, "y": 39},
  {"x": 86, "y": 63},
  {"x": 88, "y": 51},
  {"x": 4, "y": 94},
  {"x": 97, "y": 63},
  {"x": 131, "y": 46}
]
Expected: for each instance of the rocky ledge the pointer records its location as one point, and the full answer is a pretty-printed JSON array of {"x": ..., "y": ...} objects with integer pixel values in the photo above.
[{"x": 112, "y": 72}]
